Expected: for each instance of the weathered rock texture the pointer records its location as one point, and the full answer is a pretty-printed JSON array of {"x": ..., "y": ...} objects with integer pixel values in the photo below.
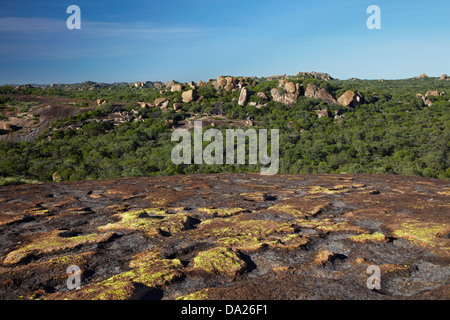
[
  {"x": 319, "y": 93},
  {"x": 227, "y": 236}
]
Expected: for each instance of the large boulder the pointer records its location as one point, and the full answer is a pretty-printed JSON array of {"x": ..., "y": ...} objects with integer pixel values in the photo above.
[
  {"x": 189, "y": 96},
  {"x": 286, "y": 93},
  {"x": 262, "y": 95},
  {"x": 176, "y": 87},
  {"x": 290, "y": 87},
  {"x": 192, "y": 85},
  {"x": 349, "y": 99},
  {"x": 243, "y": 97},
  {"x": 319, "y": 93},
  {"x": 444, "y": 77},
  {"x": 162, "y": 103},
  {"x": 310, "y": 91},
  {"x": 229, "y": 86},
  {"x": 285, "y": 98}
]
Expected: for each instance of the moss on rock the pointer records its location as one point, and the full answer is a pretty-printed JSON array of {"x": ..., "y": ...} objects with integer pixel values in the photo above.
[{"x": 219, "y": 261}]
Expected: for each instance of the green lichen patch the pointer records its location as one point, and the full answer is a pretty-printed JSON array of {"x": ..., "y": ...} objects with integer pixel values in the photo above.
[
  {"x": 148, "y": 269},
  {"x": 152, "y": 222},
  {"x": 198, "y": 295},
  {"x": 36, "y": 212},
  {"x": 51, "y": 243},
  {"x": 239, "y": 233},
  {"x": 288, "y": 209},
  {"x": 222, "y": 212},
  {"x": 325, "y": 190},
  {"x": 422, "y": 233},
  {"x": 219, "y": 261},
  {"x": 371, "y": 237},
  {"x": 341, "y": 227},
  {"x": 288, "y": 242}
]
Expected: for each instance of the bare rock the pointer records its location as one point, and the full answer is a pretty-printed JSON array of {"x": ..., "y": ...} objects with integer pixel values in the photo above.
[
  {"x": 319, "y": 93},
  {"x": 285, "y": 98},
  {"x": 162, "y": 103},
  {"x": 243, "y": 97},
  {"x": 349, "y": 98},
  {"x": 192, "y": 85},
  {"x": 176, "y": 87},
  {"x": 262, "y": 95},
  {"x": 189, "y": 96}
]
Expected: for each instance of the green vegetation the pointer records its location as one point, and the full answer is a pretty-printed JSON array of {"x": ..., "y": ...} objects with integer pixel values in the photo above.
[{"x": 390, "y": 132}]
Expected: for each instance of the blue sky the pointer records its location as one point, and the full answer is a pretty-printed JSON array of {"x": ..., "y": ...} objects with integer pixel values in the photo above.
[{"x": 200, "y": 39}]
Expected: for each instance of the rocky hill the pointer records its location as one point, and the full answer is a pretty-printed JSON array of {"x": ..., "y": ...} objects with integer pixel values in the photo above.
[{"x": 227, "y": 236}]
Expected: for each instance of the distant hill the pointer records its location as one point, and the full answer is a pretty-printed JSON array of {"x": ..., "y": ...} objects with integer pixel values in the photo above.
[{"x": 97, "y": 130}]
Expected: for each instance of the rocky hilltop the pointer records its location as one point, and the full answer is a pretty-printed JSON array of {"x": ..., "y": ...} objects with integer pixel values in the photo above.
[{"x": 227, "y": 236}]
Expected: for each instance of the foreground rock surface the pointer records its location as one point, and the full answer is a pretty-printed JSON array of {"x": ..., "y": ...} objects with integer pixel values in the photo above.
[{"x": 227, "y": 236}]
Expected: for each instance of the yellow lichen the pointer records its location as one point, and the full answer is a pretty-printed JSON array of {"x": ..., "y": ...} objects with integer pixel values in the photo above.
[
  {"x": 222, "y": 212},
  {"x": 151, "y": 221},
  {"x": 288, "y": 209},
  {"x": 372, "y": 237},
  {"x": 52, "y": 243},
  {"x": 198, "y": 295},
  {"x": 422, "y": 233},
  {"x": 219, "y": 260}
]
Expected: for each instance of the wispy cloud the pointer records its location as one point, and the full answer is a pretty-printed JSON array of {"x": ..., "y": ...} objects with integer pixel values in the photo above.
[
  {"x": 95, "y": 28},
  {"x": 49, "y": 38}
]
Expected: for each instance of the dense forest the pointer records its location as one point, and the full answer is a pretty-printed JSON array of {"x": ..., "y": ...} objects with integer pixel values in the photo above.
[{"x": 391, "y": 130}]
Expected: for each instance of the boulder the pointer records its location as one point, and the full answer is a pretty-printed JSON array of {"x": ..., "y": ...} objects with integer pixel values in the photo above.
[
  {"x": 170, "y": 83},
  {"x": 262, "y": 95},
  {"x": 285, "y": 98},
  {"x": 229, "y": 79},
  {"x": 315, "y": 75},
  {"x": 162, "y": 103},
  {"x": 323, "y": 113},
  {"x": 229, "y": 86},
  {"x": 176, "y": 87},
  {"x": 290, "y": 87},
  {"x": 310, "y": 91},
  {"x": 350, "y": 98},
  {"x": 326, "y": 97},
  {"x": 319, "y": 93},
  {"x": 243, "y": 97},
  {"x": 444, "y": 77},
  {"x": 434, "y": 93},
  {"x": 222, "y": 82},
  {"x": 101, "y": 101},
  {"x": 422, "y": 76},
  {"x": 200, "y": 83},
  {"x": 192, "y": 85},
  {"x": 189, "y": 96}
]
